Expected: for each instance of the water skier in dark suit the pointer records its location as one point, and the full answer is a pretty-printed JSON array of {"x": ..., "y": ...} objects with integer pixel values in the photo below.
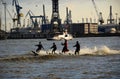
[
  {"x": 54, "y": 47},
  {"x": 77, "y": 48},
  {"x": 40, "y": 46}
]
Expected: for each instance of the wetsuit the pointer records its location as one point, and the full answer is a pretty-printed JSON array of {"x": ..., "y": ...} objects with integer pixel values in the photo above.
[
  {"x": 54, "y": 48},
  {"x": 39, "y": 47},
  {"x": 77, "y": 48}
]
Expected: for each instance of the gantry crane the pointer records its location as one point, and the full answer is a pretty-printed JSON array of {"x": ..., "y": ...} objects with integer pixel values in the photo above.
[
  {"x": 30, "y": 13},
  {"x": 99, "y": 14},
  {"x": 18, "y": 8}
]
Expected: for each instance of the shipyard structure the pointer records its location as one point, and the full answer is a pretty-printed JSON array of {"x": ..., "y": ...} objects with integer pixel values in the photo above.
[{"x": 45, "y": 28}]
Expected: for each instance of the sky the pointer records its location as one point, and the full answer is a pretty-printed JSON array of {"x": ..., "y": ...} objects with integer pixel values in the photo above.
[{"x": 80, "y": 9}]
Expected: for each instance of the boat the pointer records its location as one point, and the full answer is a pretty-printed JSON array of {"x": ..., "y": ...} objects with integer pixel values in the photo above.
[{"x": 60, "y": 36}]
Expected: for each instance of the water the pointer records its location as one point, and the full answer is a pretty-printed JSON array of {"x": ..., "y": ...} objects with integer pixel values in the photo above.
[{"x": 99, "y": 59}]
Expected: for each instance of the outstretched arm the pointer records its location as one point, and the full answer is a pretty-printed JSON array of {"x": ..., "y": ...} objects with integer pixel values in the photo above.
[
  {"x": 74, "y": 46},
  {"x": 51, "y": 47},
  {"x": 42, "y": 47},
  {"x": 36, "y": 45}
]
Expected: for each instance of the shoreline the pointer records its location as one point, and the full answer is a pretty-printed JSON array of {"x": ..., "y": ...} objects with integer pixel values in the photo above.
[{"x": 41, "y": 36}]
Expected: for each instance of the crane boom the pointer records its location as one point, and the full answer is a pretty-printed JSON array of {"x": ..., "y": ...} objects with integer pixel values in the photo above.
[
  {"x": 95, "y": 7},
  {"x": 99, "y": 14},
  {"x": 30, "y": 13}
]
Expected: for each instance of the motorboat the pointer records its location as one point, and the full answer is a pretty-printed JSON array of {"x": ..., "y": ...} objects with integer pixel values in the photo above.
[{"x": 61, "y": 36}]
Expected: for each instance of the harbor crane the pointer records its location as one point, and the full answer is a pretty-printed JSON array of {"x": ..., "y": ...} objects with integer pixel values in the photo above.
[
  {"x": 68, "y": 16},
  {"x": 18, "y": 8},
  {"x": 99, "y": 14},
  {"x": 30, "y": 13}
]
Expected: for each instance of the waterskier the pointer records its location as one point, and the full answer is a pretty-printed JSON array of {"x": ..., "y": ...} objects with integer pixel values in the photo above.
[
  {"x": 54, "y": 47},
  {"x": 77, "y": 48},
  {"x": 65, "y": 48},
  {"x": 40, "y": 46}
]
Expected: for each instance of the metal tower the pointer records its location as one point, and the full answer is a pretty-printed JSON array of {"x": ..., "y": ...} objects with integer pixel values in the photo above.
[
  {"x": 68, "y": 16},
  {"x": 111, "y": 19},
  {"x": 55, "y": 21}
]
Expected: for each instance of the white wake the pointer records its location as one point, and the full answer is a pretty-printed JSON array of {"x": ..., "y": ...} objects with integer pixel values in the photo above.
[{"x": 103, "y": 50}]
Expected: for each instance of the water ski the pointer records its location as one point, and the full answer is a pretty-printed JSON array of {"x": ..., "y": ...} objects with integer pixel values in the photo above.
[{"x": 35, "y": 54}]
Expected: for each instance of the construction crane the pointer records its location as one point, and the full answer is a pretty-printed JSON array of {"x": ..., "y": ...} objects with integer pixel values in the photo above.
[
  {"x": 18, "y": 8},
  {"x": 99, "y": 14}
]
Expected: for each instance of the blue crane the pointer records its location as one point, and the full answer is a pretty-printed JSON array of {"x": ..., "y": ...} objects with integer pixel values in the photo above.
[
  {"x": 30, "y": 13},
  {"x": 18, "y": 8}
]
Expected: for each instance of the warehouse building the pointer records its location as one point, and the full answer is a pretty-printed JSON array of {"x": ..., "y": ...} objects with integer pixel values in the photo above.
[{"x": 84, "y": 28}]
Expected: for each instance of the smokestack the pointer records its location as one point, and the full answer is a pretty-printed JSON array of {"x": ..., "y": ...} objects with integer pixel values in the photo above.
[
  {"x": 82, "y": 20},
  {"x": 90, "y": 20},
  {"x": 86, "y": 20},
  {"x": 94, "y": 20}
]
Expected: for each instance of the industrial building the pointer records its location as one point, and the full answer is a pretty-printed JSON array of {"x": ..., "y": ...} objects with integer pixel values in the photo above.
[{"x": 84, "y": 28}]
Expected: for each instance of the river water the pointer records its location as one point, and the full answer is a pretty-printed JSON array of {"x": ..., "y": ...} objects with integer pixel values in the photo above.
[{"x": 99, "y": 59}]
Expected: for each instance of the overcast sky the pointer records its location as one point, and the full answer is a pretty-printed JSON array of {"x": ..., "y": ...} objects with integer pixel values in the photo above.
[{"x": 80, "y": 8}]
